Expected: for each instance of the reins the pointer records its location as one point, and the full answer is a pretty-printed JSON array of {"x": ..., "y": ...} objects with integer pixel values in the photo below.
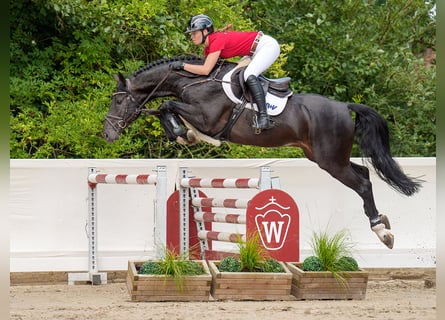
[
  {"x": 121, "y": 121},
  {"x": 213, "y": 78}
]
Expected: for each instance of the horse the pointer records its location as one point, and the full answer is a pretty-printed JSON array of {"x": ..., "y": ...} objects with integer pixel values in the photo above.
[{"x": 323, "y": 128}]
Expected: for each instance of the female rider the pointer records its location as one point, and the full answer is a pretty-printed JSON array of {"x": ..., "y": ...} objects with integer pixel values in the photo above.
[{"x": 263, "y": 49}]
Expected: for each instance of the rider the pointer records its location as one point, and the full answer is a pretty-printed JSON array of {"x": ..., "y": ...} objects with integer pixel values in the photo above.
[{"x": 263, "y": 49}]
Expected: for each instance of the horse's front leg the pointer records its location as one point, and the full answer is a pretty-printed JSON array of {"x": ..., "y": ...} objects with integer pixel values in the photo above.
[
  {"x": 169, "y": 116},
  {"x": 170, "y": 122}
]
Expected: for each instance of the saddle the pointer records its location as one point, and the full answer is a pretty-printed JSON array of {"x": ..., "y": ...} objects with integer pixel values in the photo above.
[
  {"x": 278, "y": 87},
  {"x": 277, "y": 91}
]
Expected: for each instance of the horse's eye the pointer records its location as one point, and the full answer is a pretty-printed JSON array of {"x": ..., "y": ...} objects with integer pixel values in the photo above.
[{"x": 119, "y": 100}]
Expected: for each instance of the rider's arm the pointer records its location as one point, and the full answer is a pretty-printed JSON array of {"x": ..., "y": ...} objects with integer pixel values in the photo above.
[{"x": 207, "y": 67}]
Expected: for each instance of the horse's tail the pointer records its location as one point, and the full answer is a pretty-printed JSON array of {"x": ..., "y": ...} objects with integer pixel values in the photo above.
[{"x": 373, "y": 135}]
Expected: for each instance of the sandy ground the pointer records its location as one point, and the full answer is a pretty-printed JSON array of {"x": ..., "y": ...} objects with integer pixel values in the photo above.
[{"x": 390, "y": 299}]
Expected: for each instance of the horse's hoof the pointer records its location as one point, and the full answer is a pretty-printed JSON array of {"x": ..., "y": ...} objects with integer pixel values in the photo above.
[
  {"x": 384, "y": 235},
  {"x": 388, "y": 240},
  {"x": 191, "y": 137},
  {"x": 384, "y": 219},
  {"x": 182, "y": 141}
]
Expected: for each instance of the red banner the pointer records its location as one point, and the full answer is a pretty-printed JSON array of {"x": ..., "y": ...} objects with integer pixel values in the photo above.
[{"x": 274, "y": 215}]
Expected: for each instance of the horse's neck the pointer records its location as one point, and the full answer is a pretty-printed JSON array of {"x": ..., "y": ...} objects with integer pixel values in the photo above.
[
  {"x": 154, "y": 83},
  {"x": 165, "y": 82}
]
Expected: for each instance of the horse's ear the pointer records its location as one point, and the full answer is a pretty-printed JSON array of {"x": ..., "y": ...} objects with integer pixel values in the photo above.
[
  {"x": 119, "y": 78},
  {"x": 128, "y": 84}
]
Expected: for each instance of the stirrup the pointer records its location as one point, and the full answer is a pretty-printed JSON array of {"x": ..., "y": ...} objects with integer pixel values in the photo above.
[{"x": 255, "y": 125}]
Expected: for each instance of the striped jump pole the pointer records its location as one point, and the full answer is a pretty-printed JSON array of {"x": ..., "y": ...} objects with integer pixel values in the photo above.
[
  {"x": 220, "y": 203},
  {"x": 159, "y": 179},
  {"x": 95, "y": 178},
  {"x": 238, "y": 183},
  {"x": 220, "y": 217},
  {"x": 221, "y": 236}
]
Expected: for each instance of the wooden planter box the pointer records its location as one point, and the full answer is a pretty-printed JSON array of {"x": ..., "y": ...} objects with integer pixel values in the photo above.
[
  {"x": 148, "y": 287},
  {"x": 250, "y": 285},
  {"x": 321, "y": 285}
]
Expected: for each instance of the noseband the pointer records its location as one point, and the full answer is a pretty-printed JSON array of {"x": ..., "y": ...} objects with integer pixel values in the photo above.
[{"x": 123, "y": 122}]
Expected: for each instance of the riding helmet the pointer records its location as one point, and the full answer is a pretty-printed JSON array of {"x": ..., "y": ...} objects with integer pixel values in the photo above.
[{"x": 200, "y": 22}]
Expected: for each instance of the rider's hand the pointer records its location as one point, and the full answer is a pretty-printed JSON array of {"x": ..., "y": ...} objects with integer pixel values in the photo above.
[{"x": 177, "y": 65}]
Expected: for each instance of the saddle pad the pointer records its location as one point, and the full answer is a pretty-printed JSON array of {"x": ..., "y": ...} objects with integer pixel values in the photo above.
[{"x": 274, "y": 104}]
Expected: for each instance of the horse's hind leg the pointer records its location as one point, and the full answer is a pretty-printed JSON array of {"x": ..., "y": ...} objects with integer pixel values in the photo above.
[
  {"x": 364, "y": 173},
  {"x": 356, "y": 177}
]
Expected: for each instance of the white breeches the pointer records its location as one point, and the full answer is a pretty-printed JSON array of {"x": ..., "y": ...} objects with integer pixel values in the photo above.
[{"x": 265, "y": 55}]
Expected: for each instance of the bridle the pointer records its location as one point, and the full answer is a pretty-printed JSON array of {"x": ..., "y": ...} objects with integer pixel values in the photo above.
[{"x": 123, "y": 122}]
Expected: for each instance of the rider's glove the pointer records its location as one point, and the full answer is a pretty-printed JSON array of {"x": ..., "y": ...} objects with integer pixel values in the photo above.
[{"x": 177, "y": 65}]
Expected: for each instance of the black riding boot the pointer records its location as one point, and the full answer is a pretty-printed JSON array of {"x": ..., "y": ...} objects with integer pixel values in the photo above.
[{"x": 257, "y": 92}]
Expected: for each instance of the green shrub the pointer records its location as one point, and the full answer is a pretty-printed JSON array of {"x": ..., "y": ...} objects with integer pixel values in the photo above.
[
  {"x": 192, "y": 267},
  {"x": 332, "y": 253},
  {"x": 253, "y": 257},
  {"x": 150, "y": 267},
  {"x": 171, "y": 267},
  {"x": 271, "y": 265},
  {"x": 230, "y": 264},
  {"x": 347, "y": 264},
  {"x": 330, "y": 248},
  {"x": 312, "y": 263}
]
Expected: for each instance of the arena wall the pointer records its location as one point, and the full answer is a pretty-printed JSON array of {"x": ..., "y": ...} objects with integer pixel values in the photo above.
[{"x": 48, "y": 210}]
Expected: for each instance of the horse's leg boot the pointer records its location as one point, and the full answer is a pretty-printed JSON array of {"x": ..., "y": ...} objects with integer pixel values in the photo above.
[
  {"x": 177, "y": 129},
  {"x": 258, "y": 96}
]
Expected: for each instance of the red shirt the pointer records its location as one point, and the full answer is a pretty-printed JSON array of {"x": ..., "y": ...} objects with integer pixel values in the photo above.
[{"x": 231, "y": 44}]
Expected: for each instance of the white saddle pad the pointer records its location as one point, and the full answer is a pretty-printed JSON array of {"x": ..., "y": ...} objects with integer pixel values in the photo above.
[{"x": 275, "y": 105}]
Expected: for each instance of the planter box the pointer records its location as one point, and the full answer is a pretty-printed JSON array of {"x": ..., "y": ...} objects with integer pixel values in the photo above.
[
  {"x": 321, "y": 285},
  {"x": 148, "y": 287},
  {"x": 250, "y": 285}
]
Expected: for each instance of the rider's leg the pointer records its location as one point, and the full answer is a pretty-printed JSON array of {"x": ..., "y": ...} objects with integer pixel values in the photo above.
[
  {"x": 264, "y": 56},
  {"x": 257, "y": 92}
]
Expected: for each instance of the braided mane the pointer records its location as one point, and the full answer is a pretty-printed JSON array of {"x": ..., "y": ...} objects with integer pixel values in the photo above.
[{"x": 167, "y": 61}]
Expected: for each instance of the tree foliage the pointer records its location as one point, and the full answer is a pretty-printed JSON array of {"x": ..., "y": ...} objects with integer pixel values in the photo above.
[{"x": 63, "y": 54}]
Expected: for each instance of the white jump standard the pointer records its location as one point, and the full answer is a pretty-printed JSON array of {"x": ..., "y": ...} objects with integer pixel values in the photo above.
[{"x": 159, "y": 180}]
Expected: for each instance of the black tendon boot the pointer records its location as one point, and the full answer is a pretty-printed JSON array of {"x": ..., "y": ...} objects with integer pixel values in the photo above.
[
  {"x": 176, "y": 128},
  {"x": 257, "y": 92}
]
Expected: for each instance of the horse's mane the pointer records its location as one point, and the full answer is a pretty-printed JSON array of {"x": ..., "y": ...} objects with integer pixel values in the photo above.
[{"x": 189, "y": 58}]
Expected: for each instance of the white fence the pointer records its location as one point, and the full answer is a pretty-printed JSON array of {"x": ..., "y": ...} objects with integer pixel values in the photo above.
[{"x": 49, "y": 210}]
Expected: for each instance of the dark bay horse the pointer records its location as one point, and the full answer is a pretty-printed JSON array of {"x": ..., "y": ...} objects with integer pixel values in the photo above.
[{"x": 322, "y": 127}]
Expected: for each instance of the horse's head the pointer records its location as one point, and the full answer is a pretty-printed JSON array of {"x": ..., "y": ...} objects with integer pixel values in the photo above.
[{"x": 123, "y": 111}]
